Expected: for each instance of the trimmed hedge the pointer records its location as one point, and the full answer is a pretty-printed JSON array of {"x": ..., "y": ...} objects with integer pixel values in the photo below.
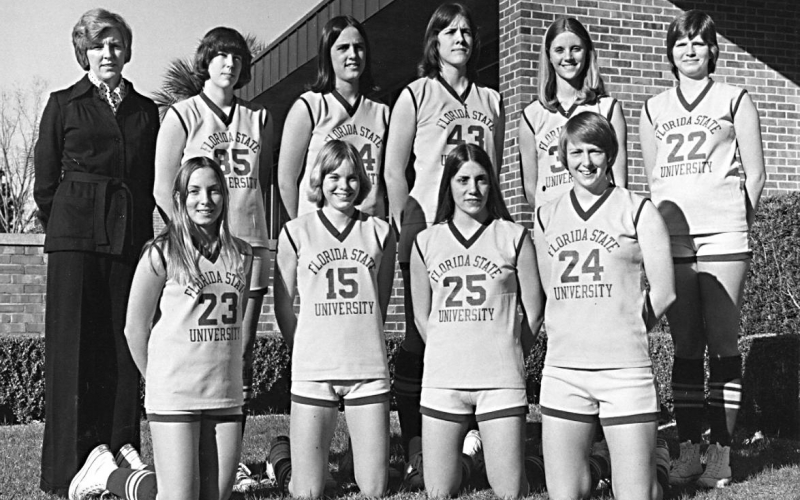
[{"x": 772, "y": 305}]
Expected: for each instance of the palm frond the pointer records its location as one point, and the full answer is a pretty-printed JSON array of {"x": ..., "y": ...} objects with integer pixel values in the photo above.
[{"x": 179, "y": 83}]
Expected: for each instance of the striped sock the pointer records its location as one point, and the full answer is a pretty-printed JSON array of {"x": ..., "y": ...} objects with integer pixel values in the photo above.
[
  {"x": 725, "y": 384},
  {"x": 688, "y": 395},
  {"x": 130, "y": 484}
]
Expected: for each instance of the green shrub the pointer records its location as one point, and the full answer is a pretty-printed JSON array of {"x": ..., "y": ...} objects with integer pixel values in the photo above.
[
  {"x": 21, "y": 379},
  {"x": 772, "y": 293}
]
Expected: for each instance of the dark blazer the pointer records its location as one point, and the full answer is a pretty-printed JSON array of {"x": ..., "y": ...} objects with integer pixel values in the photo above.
[{"x": 95, "y": 171}]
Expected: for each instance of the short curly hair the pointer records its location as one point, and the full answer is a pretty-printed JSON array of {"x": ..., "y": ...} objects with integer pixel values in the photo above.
[
  {"x": 226, "y": 40},
  {"x": 89, "y": 30}
]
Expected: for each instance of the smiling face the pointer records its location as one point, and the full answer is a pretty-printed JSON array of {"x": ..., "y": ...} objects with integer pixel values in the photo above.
[
  {"x": 348, "y": 55},
  {"x": 224, "y": 69},
  {"x": 106, "y": 57},
  {"x": 470, "y": 188},
  {"x": 691, "y": 57},
  {"x": 568, "y": 56},
  {"x": 204, "y": 198},
  {"x": 455, "y": 43},
  {"x": 588, "y": 165},
  {"x": 340, "y": 187}
]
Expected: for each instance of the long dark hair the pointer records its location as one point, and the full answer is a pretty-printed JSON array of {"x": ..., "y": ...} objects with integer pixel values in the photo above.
[
  {"x": 326, "y": 79},
  {"x": 430, "y": 65},
  {"x": 463, "y": 153}
]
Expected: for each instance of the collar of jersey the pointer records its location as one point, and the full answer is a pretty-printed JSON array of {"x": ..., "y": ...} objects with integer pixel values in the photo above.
[
  {"x": 350, "y": 108},
  {"x": 341, "y": 236},
  {"x": 226, "y": 120},
  {"x": 690, "y": 106},
  {"x": 450, "y": 90},
  {"x": 472, "y": 239},
  {"x": 585, "y": 215}
]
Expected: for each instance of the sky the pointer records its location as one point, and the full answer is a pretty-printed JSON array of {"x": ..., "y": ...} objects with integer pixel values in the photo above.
[{"x": 37, "y": 34}]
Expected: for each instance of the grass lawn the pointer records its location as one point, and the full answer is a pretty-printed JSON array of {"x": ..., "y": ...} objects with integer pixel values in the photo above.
[{"x": 767, "y": 468}]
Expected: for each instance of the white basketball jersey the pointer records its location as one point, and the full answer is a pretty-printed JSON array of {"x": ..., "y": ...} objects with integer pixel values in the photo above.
[
  {"x": 594, "y": 315},
  {"x": 445, "y": 120},
  {"x": 363, "y": 125},
  {"x": 696, "y": 183},
  {"x": 194, "y": 355},
  {"x": 473, "y": 333},
  {"x": 553, "y": 179},
  {"x": 339, "y": 333},
  {"x": 234, "y": 141}
]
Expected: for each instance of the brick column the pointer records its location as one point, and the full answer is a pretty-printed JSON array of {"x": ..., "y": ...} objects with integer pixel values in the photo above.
[{"x": 522, "y": 25}]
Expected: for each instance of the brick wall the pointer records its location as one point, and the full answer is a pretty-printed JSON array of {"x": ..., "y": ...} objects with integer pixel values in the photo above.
[
  {"x": 758, "y": 51},
  {"x": 23, "y": 278}
]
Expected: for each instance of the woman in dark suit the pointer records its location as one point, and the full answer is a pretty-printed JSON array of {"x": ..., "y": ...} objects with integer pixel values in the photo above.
[{"x": 94, "y": 183}]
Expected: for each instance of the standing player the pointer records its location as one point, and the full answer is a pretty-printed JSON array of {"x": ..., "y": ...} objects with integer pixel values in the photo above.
[
  {"x": 593, "y": 244},
  {"x": 695, "y": 139},
  {"x": 342, "y": 262},
  {"x": 445, "y": 107},
  {"x": 184, "y": 330},
  {"x": 335, "y": 108},
  {"x": 469, "y": 271},
  {"x": 238, "y": 135},
  {"x": 569, "y": 83}
]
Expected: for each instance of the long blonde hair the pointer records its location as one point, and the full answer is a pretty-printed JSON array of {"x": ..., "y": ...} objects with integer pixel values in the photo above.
[
  {"x": 592, "y": 88},
  {"x": 182, "y": 257}
]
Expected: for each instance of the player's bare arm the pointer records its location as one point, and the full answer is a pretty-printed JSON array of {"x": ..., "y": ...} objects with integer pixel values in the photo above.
[
  {"x": 748, "y": 134},
  {"x": 420, "y": 293},
  {"x": 620, "y": 166},
  {"x": 529, "y": 160},
  {"x": 296, "y": 135},
  {"x": 531, "y": 294},
  {"x": 148, "y": 281},
  {"x": 169, "y": 151},
  {"x": 285, "y": 281},
  {"x": 402, "y": 130},
  {"x": 655, "y": 245}
]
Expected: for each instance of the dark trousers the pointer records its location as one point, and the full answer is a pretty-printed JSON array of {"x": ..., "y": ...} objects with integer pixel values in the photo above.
[{"x": 91, "y": 381}]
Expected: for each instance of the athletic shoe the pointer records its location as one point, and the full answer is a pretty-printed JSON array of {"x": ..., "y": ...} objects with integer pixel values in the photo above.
[
  {"x": 413, "y": 479},
  {"x": 718, "y": 467},
  {"x": 662, "y": 464},
  {"x": 244, "y": 479},
  {"x": 534, "y": 473},
  {"x": 279, "y": 467},
  {"x": 93, "y": 476},
  {"x": 688, "y": 467},
  {"x": 473, "y": 448},
  {"x": 600, "y": 463},
  {"x": 279, "y": 464},
  {"x": 128, "y": 458}
]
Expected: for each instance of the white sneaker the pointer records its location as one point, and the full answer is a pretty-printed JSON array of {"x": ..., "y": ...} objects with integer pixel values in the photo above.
[
  {"x": 93, "y": 476},
  {"x": 718, "y": 467},
  {"x": 128, "y": 458},
  {"x": 688, "y": 467},
  {"x": 244, "y": 479},
  {"x": 473, "y": 448},
  {"x": 413, "y": 479}
]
